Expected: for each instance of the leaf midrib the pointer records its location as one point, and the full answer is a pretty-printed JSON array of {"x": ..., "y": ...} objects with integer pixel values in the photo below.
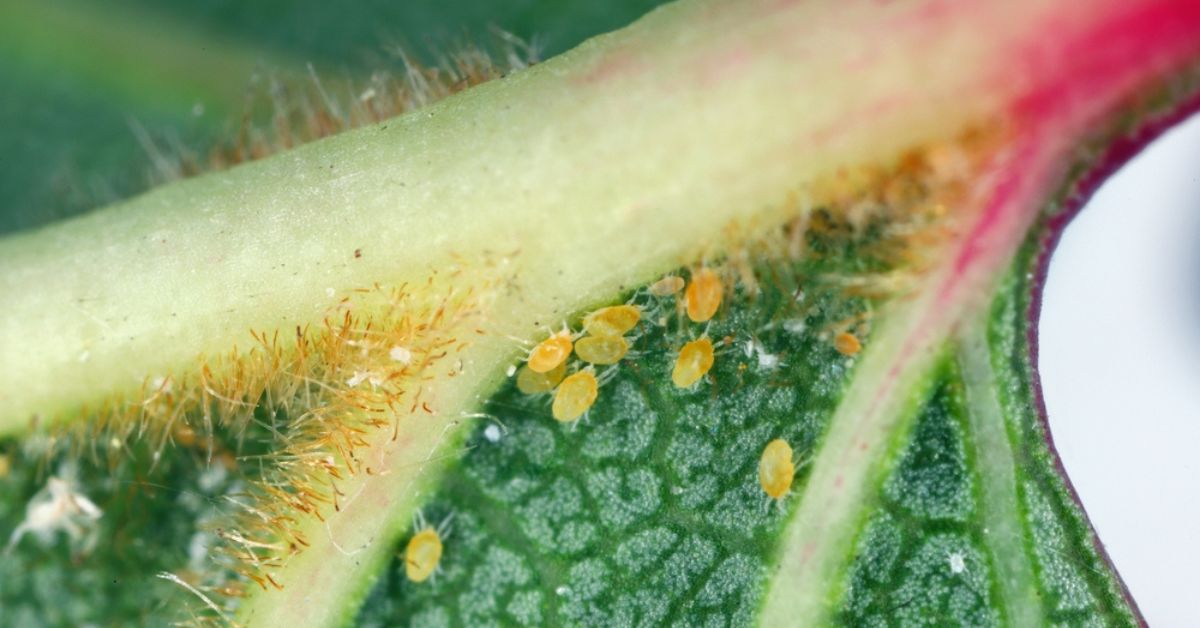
[{"x": 1003, "y": 529}]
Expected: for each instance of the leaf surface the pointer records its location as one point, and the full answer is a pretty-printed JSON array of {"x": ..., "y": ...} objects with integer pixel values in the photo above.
[{"x": 927, "y": 490}]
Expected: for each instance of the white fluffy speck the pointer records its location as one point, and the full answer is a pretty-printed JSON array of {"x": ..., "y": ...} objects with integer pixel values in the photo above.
[
  {"x": 212, "y": 478},
  {"x": 364, "y": 376},
  {"x": 957, "y": 563},
  {"x": 492, "y": 433},
  {"x": 198, "y": 547},
  {"x": 57, "y": 507},
  {"x": 766, "y": 361},
  {"x": 400, "y": 354}
]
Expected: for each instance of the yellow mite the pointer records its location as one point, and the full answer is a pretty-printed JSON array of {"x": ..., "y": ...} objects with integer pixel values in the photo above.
[
  {"x": 532, "y": 382},
  {"x": 575, "y": 395},
  {"x": 847, "y": 343},
  {"x": 694, "y": 361},
  {"x": 422, "y": 555},
  {"x": 703, "y": 295},
  {"x": 612, "y": 321},
  {"x": 550, "y": 353},
  {"x": 775, "y": 469},
  {"x": 601, "y": 349},
  {"x": 667, "y": 286}
]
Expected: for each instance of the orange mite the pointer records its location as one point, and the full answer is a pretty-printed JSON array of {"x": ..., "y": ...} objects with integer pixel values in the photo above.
[
  {"x": 531, "y": 382},
  {"x": 695, "y": 360},
  {"x": 550, "y": 353},
  {"x": 422, "y": 555},
  {"x": 612, "y": 321},
  {"x": 667, "y": 286},
  {"x": 703, "y": 295},
  {"x": 776, "y": 469},
  {"x": 847, "y": 343},
  {"x": 575, "y": 395},
  {"x": 601, "y": 349}
]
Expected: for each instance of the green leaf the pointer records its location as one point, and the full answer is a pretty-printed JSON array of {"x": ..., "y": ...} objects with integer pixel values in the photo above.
[
  {"x": 650, "y": 511},
  {"x": 275, "y": 485}
]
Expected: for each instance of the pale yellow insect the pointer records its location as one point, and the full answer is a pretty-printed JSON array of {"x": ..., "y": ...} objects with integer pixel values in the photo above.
[
  {"x": 532, "y": 382},
  {"x": 776, "y": 469},
  {"x": 703, "y": 295},
  {"x": 550, "y": 352},
  {"x": 612, "y": 321},
  {"x": 694, "y": 361},
  {"x": 847, "y": 343},
  {"x": 422, "y": 555},
  {"x": 601, "y": 349},
  {"x": 667, "y": 286},
  {"x": 575, "y": 395}
]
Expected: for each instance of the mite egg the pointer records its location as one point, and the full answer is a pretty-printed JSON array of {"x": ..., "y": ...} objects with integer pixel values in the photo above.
[
  {"x": 694, "y": 361},
  {"x": 703, "y": 295},
  {"x": 601, "y": 349},
  {"x": 575, "y": 395},
  {"x": 612, "y": 321},
  {"x": 847, "y": 343},
  {"x": 550, "y": 353},
  {"x": 775, "y": 469},
  {"x": 422, "y": 555},
  {"x": 532, "y": 382}
]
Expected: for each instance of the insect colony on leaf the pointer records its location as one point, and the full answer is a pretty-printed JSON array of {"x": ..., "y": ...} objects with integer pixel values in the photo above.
[{"x": 603, "y": 343}]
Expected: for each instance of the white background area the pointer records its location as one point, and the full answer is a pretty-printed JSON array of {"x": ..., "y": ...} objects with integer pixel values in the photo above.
[{"x": 1120, "y": 364}]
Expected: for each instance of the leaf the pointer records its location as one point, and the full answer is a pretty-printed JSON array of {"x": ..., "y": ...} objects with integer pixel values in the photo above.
[
  {"x": 927, "y": 489},
  {"x": 650, "y": 511}
]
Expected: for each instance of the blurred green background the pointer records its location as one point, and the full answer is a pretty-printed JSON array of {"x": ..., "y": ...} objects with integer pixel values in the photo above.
[{"x": 82, "y": 79}]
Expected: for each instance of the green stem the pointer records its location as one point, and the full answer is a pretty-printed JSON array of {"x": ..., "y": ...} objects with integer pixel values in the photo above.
[
  {"x": 998, "y": 481},
  {"x": 530, "y": 168}
]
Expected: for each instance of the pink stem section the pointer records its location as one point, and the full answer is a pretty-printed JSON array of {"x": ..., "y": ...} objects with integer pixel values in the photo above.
[
  {"x": 1076, "y": 198},
  {"x": 1078, "y": 82},
  {"x": 1090, "y": 76},
  {"x": 1077, "y": 71}
]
